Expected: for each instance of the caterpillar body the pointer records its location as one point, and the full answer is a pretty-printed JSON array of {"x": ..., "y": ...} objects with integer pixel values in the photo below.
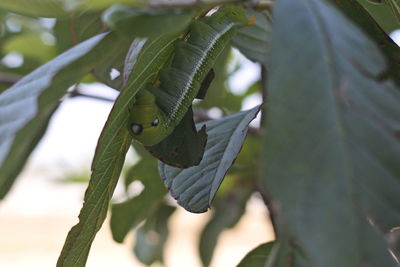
[{"x": 158, "y": 110}]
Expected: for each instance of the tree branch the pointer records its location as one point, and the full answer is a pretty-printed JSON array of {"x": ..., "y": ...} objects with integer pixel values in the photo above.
[
  {"x": 9, "y": 78},
  {"x": 264, "y": 93},
  {"x": 258, "y": 4},
  {"x": 76, "y": 92}
]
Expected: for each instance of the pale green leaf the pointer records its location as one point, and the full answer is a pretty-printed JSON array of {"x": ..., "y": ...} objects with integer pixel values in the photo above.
[
  {"x": 195, "y": 187},
  {"x": 39, "y": 8},
  {"x": 26, "y": 107}
]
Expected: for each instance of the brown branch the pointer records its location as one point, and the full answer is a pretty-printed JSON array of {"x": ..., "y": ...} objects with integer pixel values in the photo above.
[
  {"x": 9, "y": 78},
  {"x": 76, "y": 93},
  {"x": 257, "y": 4},
  {"x": 264, "y": 93}
]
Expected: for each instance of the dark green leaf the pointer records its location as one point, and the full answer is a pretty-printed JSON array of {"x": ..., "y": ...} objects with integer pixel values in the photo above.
[
  {"x": 391, "y": 50},
  {"x": 331, "y": 151},
  {"x": 110, "y": 153},
  {"x": 184, "y": 147},
  {"x": 26, "y": 107},
  {"x": 151, "y": 237},
  {"x": 258, "y": 256},
  {"x": 382, "y": 14},
  {"x": 76, "y": 28},
  {"x": 144, "y": 22},
  {"x": 195, "y": 187},
  {"x": 254, "y": 41}
]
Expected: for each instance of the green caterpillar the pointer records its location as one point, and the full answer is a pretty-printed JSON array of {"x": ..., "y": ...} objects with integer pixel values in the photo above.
[{"x": 158, "y": 110}]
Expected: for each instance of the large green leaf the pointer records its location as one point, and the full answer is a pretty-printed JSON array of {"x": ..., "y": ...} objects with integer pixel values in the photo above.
[
  {"x": 382, "y": 13},
  {"x": 152, "y": 235},
  {"x": 391, "y": 50},
  {"x": 258, "y": 256},
  {"x": 253, "y": 41},
  {"x": 195, "y": 187},
  {"x": 39, "y": 8},
  {"x": 332, "y": 150},
  {"x": 26, "y": 107},
  {"x": 145, "y": 22},
  {"x": 110, "y": 153},
  {"x": 76, "y": 28}
]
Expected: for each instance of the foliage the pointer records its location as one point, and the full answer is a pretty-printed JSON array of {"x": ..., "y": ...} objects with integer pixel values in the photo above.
[{"x": 325, "y": 157}]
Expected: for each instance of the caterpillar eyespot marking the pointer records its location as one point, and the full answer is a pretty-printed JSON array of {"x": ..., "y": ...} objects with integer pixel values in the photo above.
[
  {"x": 136, "y": 128},
  {"x": 160, "y": 108}
]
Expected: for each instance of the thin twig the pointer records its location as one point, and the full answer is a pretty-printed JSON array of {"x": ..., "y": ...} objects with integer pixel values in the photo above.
[
  {"x": 261, "y": 4},
  {"x": 76, "y": 92},
  {"x": 264, "y": 93},
  {"x": 272, "y": 211},
  {"x": 9, "y": 78},
  {"x": 201, "y": 115}
]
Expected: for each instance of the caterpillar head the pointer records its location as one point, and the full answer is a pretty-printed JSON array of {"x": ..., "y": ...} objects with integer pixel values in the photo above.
[{"x": 146, "y": 120}]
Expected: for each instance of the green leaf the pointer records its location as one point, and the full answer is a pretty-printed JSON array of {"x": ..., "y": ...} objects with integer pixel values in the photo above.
[
  {"x": 229, "y": 208},
  {"x": 258, "y": 256},
  {"x": 152, "y": 236},
  {"x": 76, "y": 28},
  {"x": 184, "y": 147},
  {"x": 144, "y": 22},
  {"x": 80, "y": 26},
  {"x": 113, "y": 143},
  {"x": 394, "y": 6},
  {"x": 332, "y": 152},
  {"x": 391, "y": 50},
  {"x": 128, "y": 214},
  {"x": 38, "y": 8},
  {"x": 382, "y": 14},
  {"x": 30, "y": 45},
  {"x": 102, "y": 4},
  {"x": 27, "y": 106},
  {"x": 194, "y": 188},
  {"x": 254, "y": 41}
]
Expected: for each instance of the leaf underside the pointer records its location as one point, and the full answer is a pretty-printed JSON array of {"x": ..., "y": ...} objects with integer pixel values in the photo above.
[
  {"x": 195, "y": 187},
  {"x": 27, "y": 106}
]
